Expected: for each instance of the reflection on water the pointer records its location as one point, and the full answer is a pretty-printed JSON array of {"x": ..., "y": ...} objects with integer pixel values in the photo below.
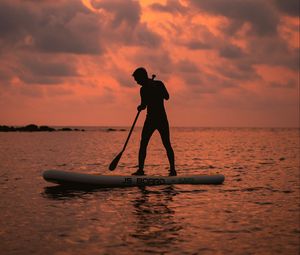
[
  {"x": 256, "y": 211},
  {"x": 155, "y": 225},
  {"x": 61, "y": 192}
]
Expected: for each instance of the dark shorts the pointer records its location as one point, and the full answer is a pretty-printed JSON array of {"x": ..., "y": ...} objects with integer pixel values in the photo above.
[{"x": 159, "y": 123}]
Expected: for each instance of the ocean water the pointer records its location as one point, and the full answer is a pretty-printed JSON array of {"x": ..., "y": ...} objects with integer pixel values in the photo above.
[{"x": 255, "y": 211}]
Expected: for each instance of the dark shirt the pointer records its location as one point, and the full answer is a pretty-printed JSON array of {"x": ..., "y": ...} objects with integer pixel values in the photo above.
[{"x": 152, "y": 96}]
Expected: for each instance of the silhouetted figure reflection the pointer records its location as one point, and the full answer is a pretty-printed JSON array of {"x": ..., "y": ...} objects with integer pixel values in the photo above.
[
  {"x": 153, "y": 93},
  {"x": 156, "y": 227}
]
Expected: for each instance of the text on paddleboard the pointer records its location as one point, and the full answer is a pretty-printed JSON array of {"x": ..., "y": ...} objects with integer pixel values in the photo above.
[{"x": 144, "y": 181}]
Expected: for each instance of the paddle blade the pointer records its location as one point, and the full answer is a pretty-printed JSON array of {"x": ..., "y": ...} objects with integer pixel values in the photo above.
[{"x": 115, "y": 162}]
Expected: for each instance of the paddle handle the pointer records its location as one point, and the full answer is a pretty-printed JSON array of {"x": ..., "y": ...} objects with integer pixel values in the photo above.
[{"x": 136, "y": 117}]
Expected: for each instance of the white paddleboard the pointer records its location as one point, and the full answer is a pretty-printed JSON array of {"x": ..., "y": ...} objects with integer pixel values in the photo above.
[{"x": 71, "y": 178}]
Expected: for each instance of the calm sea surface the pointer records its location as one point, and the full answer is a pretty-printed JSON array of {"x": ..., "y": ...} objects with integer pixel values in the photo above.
[{"x": 255, "y": 211}]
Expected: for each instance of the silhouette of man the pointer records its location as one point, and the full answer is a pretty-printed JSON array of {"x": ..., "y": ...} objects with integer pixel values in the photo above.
[{"x": 153, "y": 93}]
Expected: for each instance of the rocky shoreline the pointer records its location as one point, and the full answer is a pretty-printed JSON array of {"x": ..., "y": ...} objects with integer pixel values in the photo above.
[{"x": 35, "y": 128}]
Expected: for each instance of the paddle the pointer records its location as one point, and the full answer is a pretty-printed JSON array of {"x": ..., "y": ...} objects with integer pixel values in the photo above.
[{"x": 115, "y": 162}]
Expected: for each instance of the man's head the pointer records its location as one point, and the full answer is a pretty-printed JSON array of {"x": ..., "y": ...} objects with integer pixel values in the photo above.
[{"x": 140, "y": 75}]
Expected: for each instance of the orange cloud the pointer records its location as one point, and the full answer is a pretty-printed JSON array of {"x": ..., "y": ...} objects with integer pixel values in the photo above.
[{"x": 70, "y": 62}]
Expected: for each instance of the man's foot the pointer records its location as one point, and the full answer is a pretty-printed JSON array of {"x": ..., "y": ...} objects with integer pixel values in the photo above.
[
  {"x": 172, "y": 172},
  {"x": 139, "y": 172}
]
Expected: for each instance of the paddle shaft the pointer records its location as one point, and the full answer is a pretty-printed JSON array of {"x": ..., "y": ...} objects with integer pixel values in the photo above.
[
  {"x": 137, "y": 115},
  {"x": 115, "y": 161}
]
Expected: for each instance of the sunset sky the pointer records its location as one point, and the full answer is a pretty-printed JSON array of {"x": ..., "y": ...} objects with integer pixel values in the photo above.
[{"x": 224, "y": 62}]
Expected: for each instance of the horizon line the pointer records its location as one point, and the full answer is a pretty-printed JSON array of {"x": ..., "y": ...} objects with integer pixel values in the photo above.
[{"x": 107, "y": 126}]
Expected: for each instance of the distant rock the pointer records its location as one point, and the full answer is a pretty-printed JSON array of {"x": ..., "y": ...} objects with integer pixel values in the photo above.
[
  {"x": 77, "y": 129},
  {"x": 29, "y": 128},
  {"x": 34, "y": 128},
  {"x": 46, "y": 128},
  {"x": 7, "y": 129},
  {"x": 114, "y": 130},
  {"x": 65, "y": 129}
]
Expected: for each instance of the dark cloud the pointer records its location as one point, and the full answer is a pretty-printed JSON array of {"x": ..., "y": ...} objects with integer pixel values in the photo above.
[
  {"x": 258, "y": 48},
  {"x": 197, "y": 45},
  {"x": 125, "y": 27},
  {"x": 172, "y": 6},
  {"x": 289, "y": 7},
  {"x": 157, "y": 62},
  {"x": 124, "y": 78},
  {"x": 4, "y": 76},
  {"x": 141, "y": 36},
  {"x": 290, "y": 84},
  {"x": 28, "y": 78},
  {"x": 231, "y": 51},
  {"x": 35, "y": 35},
  {"x": 205, "y": 83},
  {"x": 260, "y": 14},
  {"x": 237, "y": 71},
  {"x": 44, "y": 67},
  {"x": 192, "y": 79},
  {"x": 201, "y": 38},
  {"x": 69, "y": 27},
  {"x": 12, "y": 19},
  {"x": 273, "y": 51},
  {"x": 124, "y": 11},
  {"x": 27, "y": 91},
  {"x": 36, "y": 69},
  {"x": 187, "y": 66},
  {"x": 63, "y": 26},
  {"x": 80, "y": 35}
]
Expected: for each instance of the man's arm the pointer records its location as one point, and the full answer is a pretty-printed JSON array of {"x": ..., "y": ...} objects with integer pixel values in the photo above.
[
  {"x": 165, "y": 92},
  {"x": 143, "y": 104}
]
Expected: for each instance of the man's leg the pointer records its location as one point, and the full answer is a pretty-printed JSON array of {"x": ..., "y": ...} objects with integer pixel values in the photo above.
[
  {"x": 165, "y": 137},
  {"x": 147, "y": 132}
]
